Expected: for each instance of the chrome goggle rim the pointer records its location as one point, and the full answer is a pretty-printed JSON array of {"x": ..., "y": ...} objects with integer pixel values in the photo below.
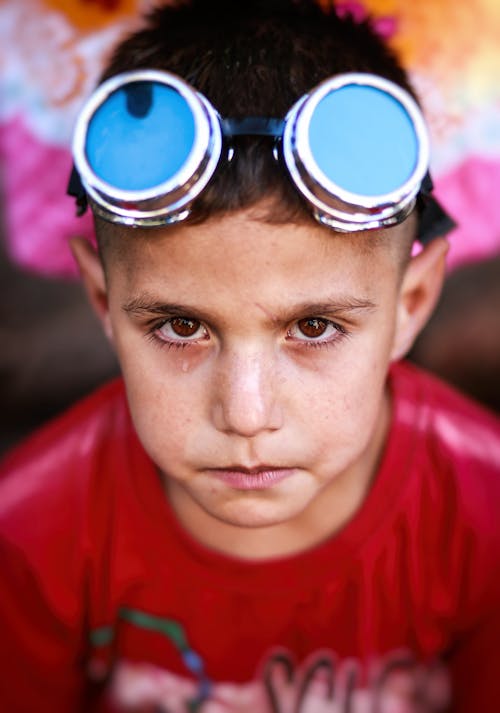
[
  {"x": 349, "y": 211},
  {"x": 167, "y": 201}
]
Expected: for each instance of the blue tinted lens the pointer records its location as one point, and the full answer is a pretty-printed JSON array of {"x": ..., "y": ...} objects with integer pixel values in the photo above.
[
  {"x": 363, "y": 140},
  {"x": 140, "y": 136}
]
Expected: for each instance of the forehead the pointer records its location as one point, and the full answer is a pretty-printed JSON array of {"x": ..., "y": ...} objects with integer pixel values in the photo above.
[{"x": 242, "y": 253}]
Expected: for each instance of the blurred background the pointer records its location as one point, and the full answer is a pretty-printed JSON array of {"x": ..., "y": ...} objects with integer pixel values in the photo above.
[{"x": 51, "y": 51}]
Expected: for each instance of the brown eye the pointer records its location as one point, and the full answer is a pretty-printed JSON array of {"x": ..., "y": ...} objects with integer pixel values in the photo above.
[
  {"x": 183, "y": 327},
  {"x": 312, "y": 327},
  {"x": 181, "y": 331}
]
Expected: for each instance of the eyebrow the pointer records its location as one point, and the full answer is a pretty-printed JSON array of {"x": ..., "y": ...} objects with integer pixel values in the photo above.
[{"x": 145, "y": 304}]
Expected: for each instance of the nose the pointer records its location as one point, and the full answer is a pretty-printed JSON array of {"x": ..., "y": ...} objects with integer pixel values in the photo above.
[{"x": 246, "y": 394}]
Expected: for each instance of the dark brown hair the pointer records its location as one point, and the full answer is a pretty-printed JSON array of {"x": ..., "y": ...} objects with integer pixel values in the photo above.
[{"x": 253, "y": 58}]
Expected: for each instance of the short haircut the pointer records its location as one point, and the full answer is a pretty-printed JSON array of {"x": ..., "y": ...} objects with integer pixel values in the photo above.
[{"x": 254, "y": 58}]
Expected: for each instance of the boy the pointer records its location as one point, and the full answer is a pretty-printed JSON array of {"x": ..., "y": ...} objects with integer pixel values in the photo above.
[{"x": 270, "y": 512}]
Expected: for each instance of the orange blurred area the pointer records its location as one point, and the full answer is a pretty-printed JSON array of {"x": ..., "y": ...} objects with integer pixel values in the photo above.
[{"x": 93, "y": 14}]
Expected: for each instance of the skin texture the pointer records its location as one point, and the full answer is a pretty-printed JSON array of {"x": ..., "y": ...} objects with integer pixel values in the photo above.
[{"x": 246, "y": 345}]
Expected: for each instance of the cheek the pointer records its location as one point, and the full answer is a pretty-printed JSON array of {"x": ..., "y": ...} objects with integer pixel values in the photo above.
[
  {"x": 343, "y": 399},
  {"x": 167, "y": 418},
  {"x": 166, "y": 395}
]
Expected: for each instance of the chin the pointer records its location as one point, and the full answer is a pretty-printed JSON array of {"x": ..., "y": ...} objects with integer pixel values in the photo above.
[{"x": 254, "y": 513}]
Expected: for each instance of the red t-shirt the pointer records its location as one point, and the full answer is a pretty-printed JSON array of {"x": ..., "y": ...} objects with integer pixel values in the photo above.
[{"x": 106, "y": 603}]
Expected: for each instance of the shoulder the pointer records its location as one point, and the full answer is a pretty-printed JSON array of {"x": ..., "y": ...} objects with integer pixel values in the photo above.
[
  {"x": 449, "y": 460},
  {"x": 455, "y": 451},
  {"x": 454, "y": 472},
  {"x": 456, "y": 429},
  {"x": 454, "y": 438},
  {"x": 66, "y": 498},
  {"x": 49, "y": 475}
]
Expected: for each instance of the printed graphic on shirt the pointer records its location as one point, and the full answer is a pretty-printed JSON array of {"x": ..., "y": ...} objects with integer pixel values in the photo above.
[{"x": 397, "y": 683}]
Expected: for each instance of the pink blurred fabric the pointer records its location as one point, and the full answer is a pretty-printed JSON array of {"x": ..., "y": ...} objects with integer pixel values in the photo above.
[
  {"x": 39, "y": 216},
  {"x": 471, "y": 193}
]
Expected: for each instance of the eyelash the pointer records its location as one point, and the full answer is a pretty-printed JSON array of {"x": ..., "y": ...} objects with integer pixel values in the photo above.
[{"x": 340, "y": 334}]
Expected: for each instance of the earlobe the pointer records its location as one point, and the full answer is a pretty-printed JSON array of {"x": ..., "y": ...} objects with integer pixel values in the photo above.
[
  {"x": 93, "y": 277},
  {"x": 419, "y": 292}
]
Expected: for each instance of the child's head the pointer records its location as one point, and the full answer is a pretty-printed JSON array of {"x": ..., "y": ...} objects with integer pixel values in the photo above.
[{"x": 255, "y": 341}]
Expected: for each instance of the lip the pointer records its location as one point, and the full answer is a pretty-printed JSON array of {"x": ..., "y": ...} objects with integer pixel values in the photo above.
[{"x": 260, "y": 478}]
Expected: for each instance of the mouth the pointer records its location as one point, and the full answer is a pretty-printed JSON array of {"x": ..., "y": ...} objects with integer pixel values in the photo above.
[{"x": 258, "y": 478}]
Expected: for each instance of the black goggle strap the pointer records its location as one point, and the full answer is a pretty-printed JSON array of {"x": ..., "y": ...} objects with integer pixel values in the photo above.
[
  {"x": 76, "y": 190},
  {"x": 433, "y": 220}
]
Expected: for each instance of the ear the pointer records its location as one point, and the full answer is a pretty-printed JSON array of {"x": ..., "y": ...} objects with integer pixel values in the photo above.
[
  {"x": 93, "y": 277},
  {"x": 419, "y": 292}
]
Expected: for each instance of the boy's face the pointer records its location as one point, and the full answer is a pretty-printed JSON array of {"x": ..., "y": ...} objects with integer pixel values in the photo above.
[{"x": 255, "y": 360}]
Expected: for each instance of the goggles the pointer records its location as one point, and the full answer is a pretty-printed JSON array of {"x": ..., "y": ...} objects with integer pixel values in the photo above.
[{"x": 356, "y": 148}]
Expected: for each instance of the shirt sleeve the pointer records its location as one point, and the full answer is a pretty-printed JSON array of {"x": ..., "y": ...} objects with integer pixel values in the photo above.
[
  {"x": 47, "y": 522},
  {"x": 40, "y": 668},
  {"x": 475, "y": 656}
]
